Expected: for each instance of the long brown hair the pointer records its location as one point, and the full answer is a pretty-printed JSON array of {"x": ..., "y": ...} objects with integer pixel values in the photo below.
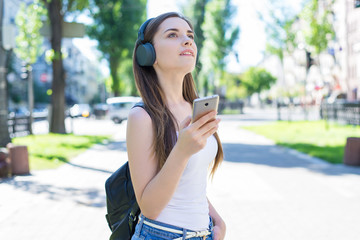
[{"x": 153, "y": 96}]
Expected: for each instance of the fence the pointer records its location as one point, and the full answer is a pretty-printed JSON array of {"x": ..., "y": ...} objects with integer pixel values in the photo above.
[
  {"x": 20, "y": 125},
  {"x": 341, "y": 112},
  {"x": 233, "y": 105}
]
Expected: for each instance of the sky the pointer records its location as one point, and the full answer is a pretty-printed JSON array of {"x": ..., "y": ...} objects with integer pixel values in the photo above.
[{"x": 249, "y": 47}]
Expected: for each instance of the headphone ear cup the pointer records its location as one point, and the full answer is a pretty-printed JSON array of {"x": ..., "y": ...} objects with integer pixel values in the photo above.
[{"x": 145, "y": 54}]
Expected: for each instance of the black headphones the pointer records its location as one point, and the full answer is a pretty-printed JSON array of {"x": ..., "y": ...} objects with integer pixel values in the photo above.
[{"x": 145, "y": 52}]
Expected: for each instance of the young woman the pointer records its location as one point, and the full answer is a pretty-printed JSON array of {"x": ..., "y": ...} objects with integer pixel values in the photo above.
[{"x": 168, "y": 154}]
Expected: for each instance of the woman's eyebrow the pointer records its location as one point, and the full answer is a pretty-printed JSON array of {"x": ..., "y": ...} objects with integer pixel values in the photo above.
[{"x": 177, "y": 30}]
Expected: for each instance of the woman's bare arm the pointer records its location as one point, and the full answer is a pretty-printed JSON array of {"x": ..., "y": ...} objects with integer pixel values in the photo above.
[{"x": 219, "y": 224}]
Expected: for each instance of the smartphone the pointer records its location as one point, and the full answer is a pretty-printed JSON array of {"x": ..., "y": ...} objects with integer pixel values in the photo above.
[{"x": 202, "y": 106}]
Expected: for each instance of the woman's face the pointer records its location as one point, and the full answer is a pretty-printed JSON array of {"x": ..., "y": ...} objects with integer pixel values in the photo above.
[{"x": 174, "y": 46}]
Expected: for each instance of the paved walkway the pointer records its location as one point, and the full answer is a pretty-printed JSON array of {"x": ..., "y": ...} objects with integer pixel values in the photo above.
[
  {"x": 66, "y": 203},
  {"x": 263, "y": 192},
  {"x": 269, "y": 192}
]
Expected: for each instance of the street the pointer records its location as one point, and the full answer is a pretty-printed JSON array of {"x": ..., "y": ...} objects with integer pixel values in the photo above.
[{"x": 261, "y": 190}]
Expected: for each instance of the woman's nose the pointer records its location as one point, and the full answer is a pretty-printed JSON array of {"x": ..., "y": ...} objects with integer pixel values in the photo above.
[{"x": 187, "y": 41}]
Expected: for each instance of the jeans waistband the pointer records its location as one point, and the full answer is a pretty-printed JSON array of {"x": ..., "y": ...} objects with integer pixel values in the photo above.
[{"x": 186, "y": 234}]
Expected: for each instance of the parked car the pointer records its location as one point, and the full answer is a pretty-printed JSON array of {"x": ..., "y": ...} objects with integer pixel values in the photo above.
[
  {"x": 40, "y": 113},
  {"x": 80, "y": 110},
  {"x": 18, "y": 112},
  {"x": 101, "y": 110},
  {"x": 119, "y": 107}
]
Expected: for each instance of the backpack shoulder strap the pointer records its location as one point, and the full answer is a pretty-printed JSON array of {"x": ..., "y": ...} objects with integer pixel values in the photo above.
[{"x": 142, "y": 105}]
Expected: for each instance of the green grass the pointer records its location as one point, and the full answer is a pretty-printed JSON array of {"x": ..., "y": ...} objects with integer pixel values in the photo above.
[
  {"x": 52, "y": 150},
  {"x": 312, "y": 138},
  {"x": 229, "y": 111}
]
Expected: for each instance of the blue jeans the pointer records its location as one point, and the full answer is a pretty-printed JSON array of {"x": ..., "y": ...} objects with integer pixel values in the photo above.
[{"x": 145, "y": 232}]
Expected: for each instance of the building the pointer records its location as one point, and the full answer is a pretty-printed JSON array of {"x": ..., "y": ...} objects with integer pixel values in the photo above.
[
  {"x": 84, "y": 79},
  {"x": 335, "y": 71},
  {"x": 352, "y": 22}
]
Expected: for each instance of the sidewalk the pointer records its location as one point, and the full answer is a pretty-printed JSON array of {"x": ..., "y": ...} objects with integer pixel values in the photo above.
[
  {"x": 66, "y": 203},
  {"x": 266, "y": 192},
  {"x": 262, "y": 191}
]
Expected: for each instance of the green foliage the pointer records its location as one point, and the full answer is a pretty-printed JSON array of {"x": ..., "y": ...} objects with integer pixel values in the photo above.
[
  {"x": 317, "y": 29},
  {"x": 53, "y": 150},
  {"x": 280, "y": 34},
  {"x": 40, "y": 95},
  {"x": 257, "y": 79},
  {"x": 234, "y": 88},
  {"x": 29, "y": 41},
  {"x": 195, "y": 10},
  {"x": 127, "y": 84},
  {"x": 75, "y": 5},
  {"x": 312, "y": 138},
  {"x": 116, "y": 24},
  {"x": 220, "y": 36}
]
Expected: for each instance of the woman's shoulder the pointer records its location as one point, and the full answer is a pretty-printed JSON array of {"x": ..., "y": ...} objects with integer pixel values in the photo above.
[
  {"x": 139, "y": 117},
  {"x": 139, "y": 132}
]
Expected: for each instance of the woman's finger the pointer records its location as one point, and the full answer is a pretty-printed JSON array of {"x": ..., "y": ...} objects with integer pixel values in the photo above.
[
  {"x": 204, "y": 119},
  {"x": 209, "y": 126},
  {"x": 210, "y": 132}
]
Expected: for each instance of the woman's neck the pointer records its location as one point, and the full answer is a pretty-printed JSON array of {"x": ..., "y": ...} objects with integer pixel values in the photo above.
[{"x": 172, "y": 86}]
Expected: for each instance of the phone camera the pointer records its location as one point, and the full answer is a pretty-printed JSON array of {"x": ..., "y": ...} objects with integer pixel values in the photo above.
[{"x": 206, "y": 104}]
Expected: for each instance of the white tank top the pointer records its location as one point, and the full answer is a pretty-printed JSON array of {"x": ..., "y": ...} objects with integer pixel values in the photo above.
[{"x": 188, "y": 207}]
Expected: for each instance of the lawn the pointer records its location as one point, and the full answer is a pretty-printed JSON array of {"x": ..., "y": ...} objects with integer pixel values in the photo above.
[
  {"x": 52, "y": 150},
  {"x": 325, "y": 141}
]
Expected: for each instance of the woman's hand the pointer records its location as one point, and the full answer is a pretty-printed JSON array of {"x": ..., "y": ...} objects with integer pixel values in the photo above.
[
  {"x": 193, "y": 137},
  {"x": 219, "y": 233}
]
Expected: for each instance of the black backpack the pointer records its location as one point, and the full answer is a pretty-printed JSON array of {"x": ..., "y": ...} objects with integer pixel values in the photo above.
[{"x": 122, "y": 209}]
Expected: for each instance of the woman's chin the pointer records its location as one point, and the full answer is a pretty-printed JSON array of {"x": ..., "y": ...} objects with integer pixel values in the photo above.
[{"x": 189, "y": 67}]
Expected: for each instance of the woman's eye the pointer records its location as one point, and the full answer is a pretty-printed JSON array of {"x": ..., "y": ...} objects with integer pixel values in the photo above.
[
  {"x": 171, "y": 35},
  {"x": 191, "y": 36}
]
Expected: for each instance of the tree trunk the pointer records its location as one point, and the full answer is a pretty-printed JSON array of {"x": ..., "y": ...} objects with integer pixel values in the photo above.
[
  {"x": 4, "y": 130},
  {"x": 199, "y": 6},
  {"x": 114, "y": 64},
  {"x": 57, "y": 120}
]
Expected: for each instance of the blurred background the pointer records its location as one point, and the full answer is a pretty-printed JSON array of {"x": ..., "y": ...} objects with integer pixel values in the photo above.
[
  {"x": 285, "y": 70},
  {"x": 56, "y": 54}
]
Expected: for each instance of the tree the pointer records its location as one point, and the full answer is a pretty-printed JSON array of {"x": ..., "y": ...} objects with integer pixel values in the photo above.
[
  {"x": 116, "y": 24},
  {"x": 57, "y": 10},
  {"x": 279, "y": 30},
  {"x": 318, "y": 29},
  {"x": 235, "y": 89},
  {"x": 4, "y": 131},
  {"x": 29, "y": 42},
  {"x": 256, "y": 80},
  {"x": 220, "y": 37},
  {"x": 195, "y": 10}
]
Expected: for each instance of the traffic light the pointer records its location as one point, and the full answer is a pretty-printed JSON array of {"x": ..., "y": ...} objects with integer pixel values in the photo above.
[
  {"x": 309, "y": 60},
  {"x": 357, "y": 3}
]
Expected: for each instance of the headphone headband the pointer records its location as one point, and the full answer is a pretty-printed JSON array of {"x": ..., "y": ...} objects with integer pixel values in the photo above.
[{"x": 142, "y": 29}]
